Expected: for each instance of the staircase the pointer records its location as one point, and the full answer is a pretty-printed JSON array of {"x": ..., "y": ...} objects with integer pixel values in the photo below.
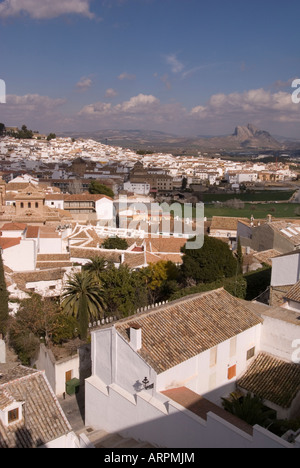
[{"x": 102, "y": 439}]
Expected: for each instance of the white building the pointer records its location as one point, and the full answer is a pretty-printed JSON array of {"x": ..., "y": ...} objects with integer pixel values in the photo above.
[
  {"x": 159, "y": 376},
  {"x": 138, "y": 189}
]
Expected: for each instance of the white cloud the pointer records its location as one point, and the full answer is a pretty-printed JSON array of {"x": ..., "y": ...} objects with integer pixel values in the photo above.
[
  {"x": 45, "y": 9},
  {"x": 175, "y": 64},
  {"x": 33, "y": 101},
  {"x": 35, "y": 111},
  {"x": 84, "y": 84},
  {"x": 110, "y": 93},
  {"x": 257, "y": 103},
  {"x": 137, "y": 103},
  {"x": 126, "y": 76}
]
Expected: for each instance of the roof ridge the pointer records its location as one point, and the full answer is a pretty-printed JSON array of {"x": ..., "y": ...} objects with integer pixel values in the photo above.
[{"x": 167, "y": 305}]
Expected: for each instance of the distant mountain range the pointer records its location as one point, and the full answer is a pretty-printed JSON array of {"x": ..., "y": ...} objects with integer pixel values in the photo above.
[{"x": 243, "y": 138}]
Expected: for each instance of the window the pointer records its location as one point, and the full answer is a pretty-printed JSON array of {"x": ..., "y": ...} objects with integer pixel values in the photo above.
[
  {"x": 231, "y": 372},
  {"x": 29, "y": 205},
  {"x": 13, "y": 415},
  {"x": 36, "y": 204},
  {"x": 233, "y": 347},
  {"x": 250, "y": 353},
  {"x": 213, "y": 357},
  {"x": 22, "y": 205}
]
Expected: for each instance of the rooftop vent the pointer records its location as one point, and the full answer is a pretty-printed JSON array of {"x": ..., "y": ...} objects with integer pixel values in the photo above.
[{"x": 135, "y": 336}]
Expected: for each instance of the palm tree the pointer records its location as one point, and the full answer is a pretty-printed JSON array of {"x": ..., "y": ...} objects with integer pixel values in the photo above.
[
  {"x": 248, "y": 408},
  {"x": 96, "y": 267},
  {"x": 83, "y": 299}
]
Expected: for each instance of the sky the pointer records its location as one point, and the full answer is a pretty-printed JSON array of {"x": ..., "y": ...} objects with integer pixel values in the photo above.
[{"x": 185, "y": 67}]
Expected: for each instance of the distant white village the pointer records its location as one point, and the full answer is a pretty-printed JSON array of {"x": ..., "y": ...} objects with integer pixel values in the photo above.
[
  {"x": 155, "y": 379},
  {"x": 115, "y": 163}
]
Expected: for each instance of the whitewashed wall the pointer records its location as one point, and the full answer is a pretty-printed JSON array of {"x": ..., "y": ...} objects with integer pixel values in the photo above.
[
  {"x": 165, "y": 423},
  {"x": 21, "y": 257},
  {"x": 278, "y": 336},
  {"x": 285, "y": 270}
]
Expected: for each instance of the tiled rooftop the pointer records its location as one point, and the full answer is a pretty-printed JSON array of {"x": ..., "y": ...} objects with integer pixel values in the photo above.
[
  {"x": 43, "y": 419},
  {"x": 272, "y": 379},
  {"x": 180, "y": 330},
  {"x": 294, "y": 293}
]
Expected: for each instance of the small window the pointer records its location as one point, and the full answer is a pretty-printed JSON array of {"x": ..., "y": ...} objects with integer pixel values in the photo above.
[
  {"x": 22, "y": 205},
  {"x": 231, "y": 372},
  {"x": 233, "y": 347},
  {"x": 250, "y": 353},
  {"x": 36, "y": 204},
  {"x": 29, "y": 205},
  {"x": 13, "y": 415},
  {"x": 213, "y": 357}
]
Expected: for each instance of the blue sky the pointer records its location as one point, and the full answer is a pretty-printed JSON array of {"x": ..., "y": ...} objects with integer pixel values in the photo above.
[{"x": 187, "y": 67}]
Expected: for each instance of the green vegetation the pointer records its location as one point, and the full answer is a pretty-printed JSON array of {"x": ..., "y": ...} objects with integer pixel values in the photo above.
[
  {"x": 115, "y": 243},
  {"x": 23, "y": 134},
  {"x": 258, "y": 210},
  {"x": 38, "y": 318},
  {"x": 250, "y": 409},
  {"x": 210, "y": 263},
  {"x": 249, "y": 196},
  {"x": 51, "y": 136},
  {"x": 96, "y": 187},
  {"x": 83, "y": 299}
]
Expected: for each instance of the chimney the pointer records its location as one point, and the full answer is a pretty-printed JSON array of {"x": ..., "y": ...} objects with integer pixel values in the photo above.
[{"x": 135, "y": 336}]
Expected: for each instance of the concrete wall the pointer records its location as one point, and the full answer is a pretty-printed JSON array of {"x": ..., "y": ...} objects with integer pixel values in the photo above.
[
  {"x": 50, "y": 245},
  {"x": 21, "y": 257},
  {"x": 164, "y": 423},
  {"x": 2, "y": 352},
  {"x": 285, "y": 270},
  {"x": 104, "y": 209},
  {"x": 56, "y": 370},
  {"x": 278, "y": 338},
  {"x": 200, "y": 376}
]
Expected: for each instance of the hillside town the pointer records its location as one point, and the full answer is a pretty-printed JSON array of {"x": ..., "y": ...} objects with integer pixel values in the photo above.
[
  {"x": 65, "y": 161},
  {"x": 175, "y": 337}
]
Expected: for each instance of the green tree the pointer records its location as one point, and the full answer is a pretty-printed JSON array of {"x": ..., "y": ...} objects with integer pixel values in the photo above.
[
  {"x": 96, "y": 187},
  {"x": 51, "y": 136},
  {"x": 113, "y": 243},
  {"x": 248, "y": 408},
  {"x": 2, "y": 129},
  {"x": 208, "y": 264},
  {"x": 239, "y": 256},
  {"x": 96, "y": 267},
  {"x": 4, "y": 296},
  {"x": 83, "y": 299},
  {"x": 161, "y": 280},
  {"x": 36, "y": 318},
  {"x": 124, "y": 291}
]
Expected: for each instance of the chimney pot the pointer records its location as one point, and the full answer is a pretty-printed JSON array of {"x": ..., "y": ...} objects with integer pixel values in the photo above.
[{"x": 135, "y": 336}]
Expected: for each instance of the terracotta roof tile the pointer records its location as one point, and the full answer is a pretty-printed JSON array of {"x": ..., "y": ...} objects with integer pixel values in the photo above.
[
  {"x": 272, "y": 379},
  {"x": 7, "y": 242},
  {"x": 44, "y": 420},
  {"x": 294, "y": 293},
  {"x": 200, "y": 406},
  {"x": 187, "y": 327},
  {"x": 13, "y": 227}
]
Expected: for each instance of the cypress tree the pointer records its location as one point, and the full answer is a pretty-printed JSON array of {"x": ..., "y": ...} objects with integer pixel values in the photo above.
[{"x": 4, "y": 311}]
